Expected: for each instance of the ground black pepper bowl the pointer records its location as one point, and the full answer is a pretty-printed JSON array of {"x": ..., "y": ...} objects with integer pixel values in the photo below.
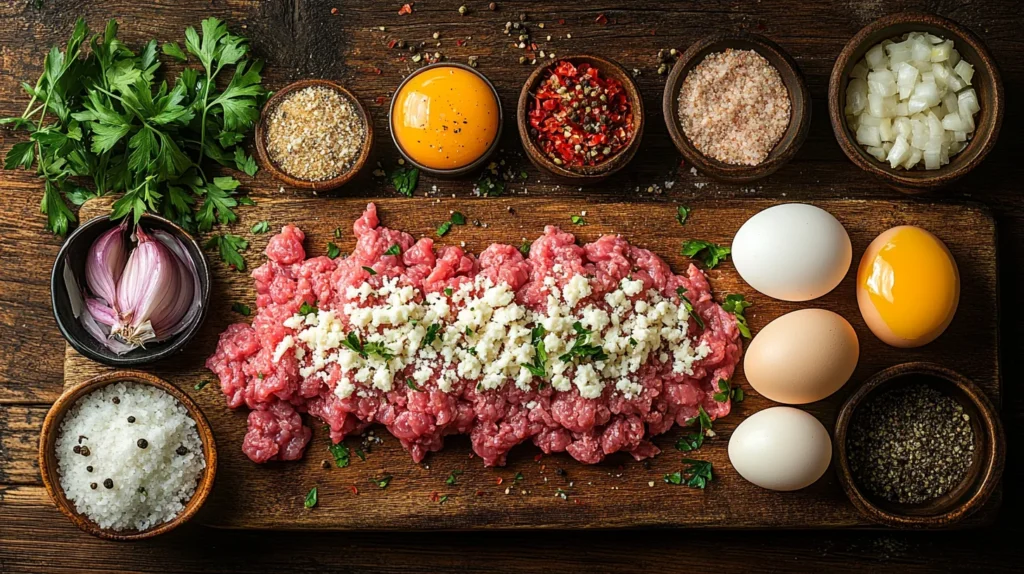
[
  {"x": 469, "y": 168},
  {"x": 48, "y": 456},
  {"x": 799, "y": 100},
  {"x": 986, "y": 82},
  {"x": 982, "y": 477},
  {"x": 74, "y": 253}
]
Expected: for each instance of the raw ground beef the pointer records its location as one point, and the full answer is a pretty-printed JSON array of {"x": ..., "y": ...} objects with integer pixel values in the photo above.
[{"x": 496, "y": 420}]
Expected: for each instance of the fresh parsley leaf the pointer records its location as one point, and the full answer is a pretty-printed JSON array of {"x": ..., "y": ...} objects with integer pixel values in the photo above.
[
  {"x": 243, "y": 161},
  {"x": 698, "y": 472},
  {"x": 444, "y": 228},
  {"x": 578, "y": 220},
  {"x": 703, "y": 418},
  {"x": 359, "y": 452},
  {"x": 260, "y": 227},
  {"x": 540, "y": 356},
  {"x": 431, "y": 334},
  {"x": 333, "y": 251},
  {"x": 337, "y": 232},
  {"x": 674, "y": 478},
  {"x": 443, "y": 499},
  {"x": 355, "y": 343},
  {"x": 21, "y": 154},
  {"x": 241, "y": 309},
  {"x": 581, "y": 347},
  {"x": 229, "y": 247},
  {"x": 341, "y": 454},
  {"x": 736, "y": 305},
  {"x": 201, "y": 384},
  {"x": 453, "y": 478},
  {"x": 682, "y": 214},
  {"x": 690, "y": 441},
  {"x": 458, "y": 218},
  {"x": 383, "y": 481},
  {"x": 710, "y": 254},
  {"x": 369, "y": 270},
  {"x": 524, "y": 248},
  {"x": 307, "y": 309},
  {"x": 405, "y": 180},
  {"x": 738, "y": 395},
  {"x": 394, "y": 250},
  {"x": 689, "y": 307},
  {"x": 409, "y": 382},
  {"x": 448, "y": 291},
  {"x": 311, "y": 499},
  {"x": 173, "y": 50},
  {"x": 490, "y": 185}
]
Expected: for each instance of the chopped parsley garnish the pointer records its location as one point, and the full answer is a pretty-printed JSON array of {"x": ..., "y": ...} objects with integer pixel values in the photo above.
[
  {"x": 458, "y": 218},
  {"x": 581, "y": 348},
  {"x": 471, "y": 351},
  {"x": 229, "y": 247},
  {"x": 241, "y": 309},
  {"x": 341, "y": 454},
  {"x": 310, "y": 499},
  {"x": 356, "y": 344},
  {"x": 261, "y": 227},
  {"x": 708, "y": 253},
  {"x": 490, "y": 185},
  {"x": 562, "y": 494},
  {"x": 199, "y": 386},
  {"x": 682, "y": 214},
  {"x": 702, "y": 417},
  {"x": 411, "y": 384},
  {"x": 453, "y": 478},
  {"x": 540, "y": 356},
  {"x": 524, "y": 248},
  {"x": 735, "y": 304},
  {"x": 469, "y": 332},
  {"x": 518, "y": 477},
  {"x": 444, "y": 228},
  {"x": 443, "y": 499},
  {"x": 405, "y": 179},
  {"x": 690, "y": 441},
  {"x": 726, "y": 392},
  {"x": 333, "y": 251},
  {"x": 259, "y": 376},
  {"x": 359, "y": 452},
  {"x": 337, "y": 232},
  {"x": 383, "y": 481},
  {"x": 307, "y": 309},
  {"x": 431, "y": 334},
  {"x": 578, "y": 220},
  {"x": 689, "y": 307},
  {"x": 395, "y": 249},
  {"x": 696, "y": 475},
  {"x": 448, "y": 291},
  {"x": 369, "y": 270}
]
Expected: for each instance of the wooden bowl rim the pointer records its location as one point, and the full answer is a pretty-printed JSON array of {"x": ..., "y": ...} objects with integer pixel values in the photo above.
[
  {"x": 993, "y": 461},
  {"x": 584, "y": 174},
  {"x": 915, "y": 181},
  {"x": 327, "y": 184},
  {"x": 459, "y": 171},
  {"x": 179, "y": 341},
  {"x": 800, "y": 106},
  {"x": 51, "y": 479}
]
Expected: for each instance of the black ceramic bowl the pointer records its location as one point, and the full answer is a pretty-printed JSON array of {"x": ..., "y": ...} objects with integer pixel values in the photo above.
[{"x": 74, "y": 251}]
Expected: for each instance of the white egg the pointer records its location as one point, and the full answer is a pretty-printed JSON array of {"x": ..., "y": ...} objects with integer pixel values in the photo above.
[
  {"x": 793, "y": 252},
  {"x": 780, "y": 448}
]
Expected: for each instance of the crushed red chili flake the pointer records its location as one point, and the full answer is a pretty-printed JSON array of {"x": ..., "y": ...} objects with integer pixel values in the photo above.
[
  {"x": 392, "y": 42},
  {"x": 500, "y": 480},
  {"x": 580, "y": 118},
  {"x": 479, "y": 493},
  {"x": 601, "y": 19},
  {"x": 380, "y": 100},
  {"x": 434, "y": 496},
  {"x": 460, "y": 42},
  {"x": 354, "y": 489},
  {"x": 405, "y": 9},
  {"x": 561, "y": 21},
  {"x": 538, "y": 457}
]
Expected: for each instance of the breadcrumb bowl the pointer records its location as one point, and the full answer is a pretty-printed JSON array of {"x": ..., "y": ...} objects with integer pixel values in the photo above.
[
  {"x": 986, "y": 82},
  {"x": 48, "y": 459},
  {"x": 792, "y": 79}
]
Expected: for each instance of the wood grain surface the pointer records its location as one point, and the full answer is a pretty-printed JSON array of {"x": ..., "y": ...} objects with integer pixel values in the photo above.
[
  {"x": 617, "y": 492},
  {"x": 303, "y": 39}
]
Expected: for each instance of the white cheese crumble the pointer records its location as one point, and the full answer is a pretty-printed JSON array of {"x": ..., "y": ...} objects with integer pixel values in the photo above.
[{"x": 480, "y": 334}]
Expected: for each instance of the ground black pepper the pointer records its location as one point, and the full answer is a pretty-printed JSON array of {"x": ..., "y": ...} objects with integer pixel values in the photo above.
[{"x": 911, "y": 444}]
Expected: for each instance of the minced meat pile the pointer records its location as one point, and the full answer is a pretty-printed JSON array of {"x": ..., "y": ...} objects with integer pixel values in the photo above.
[{"x": 588, "y": 350}]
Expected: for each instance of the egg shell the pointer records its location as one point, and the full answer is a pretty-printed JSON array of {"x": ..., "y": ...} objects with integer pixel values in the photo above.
[
  {"x": 792, "y": 252},
  {"x": 802, "y": 357},
  {"x": 780, "y": 448},
  {"x": 923, "y": 296}
]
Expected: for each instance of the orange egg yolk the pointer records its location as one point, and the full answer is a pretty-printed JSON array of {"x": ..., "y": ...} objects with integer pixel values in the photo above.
[
  {"x": 445, "y": 118},
  {"x": 913, "y": 283}
]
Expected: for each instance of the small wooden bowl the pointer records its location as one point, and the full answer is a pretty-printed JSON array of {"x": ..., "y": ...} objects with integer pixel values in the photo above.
[
  {"x": 583, "y": 175},
  {"x": 48, "y": 456},
  {"x": 327, "y": 184},
  {"x": 468, "y": 168},
  {"x": 799, "y": 100},
  {"x": 986, "y": 82},
  {"x": 983, "y": 476}
]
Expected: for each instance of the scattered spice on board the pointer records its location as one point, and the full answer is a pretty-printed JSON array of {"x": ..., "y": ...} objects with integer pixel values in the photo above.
[
  {"x": 911, "y": 444},
  {"x": 315, "y": 134},
  {"x": 579, "y": 118},
  {"x": 733, "y": 107}
]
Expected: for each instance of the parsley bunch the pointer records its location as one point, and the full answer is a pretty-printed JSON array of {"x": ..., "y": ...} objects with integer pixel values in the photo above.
[{"x": 100, "y": 111}]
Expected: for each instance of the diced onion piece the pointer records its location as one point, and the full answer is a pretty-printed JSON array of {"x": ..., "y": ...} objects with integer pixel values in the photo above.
[
  {"x": 941, "y": 52},
  {"x": 906, "y": 77},
  {"x": 952, "y": 123},
  {"x": 958, "y": 137},
  {"x": 899, "y": 152},
  {"x": 881, "y": 82},
  {"x": 859, "y": 71},
  {"x": 876, "y": 58},
  {"x": 869, "y": 136},
  {"x": 965, "y": 71},
  {"x": 921, "y": 50},
  {"x": 885, "y": 130},
  {"x": 877, "y": 152},
  {"x": 932, "y": 159},
  {"x": 898, "y": 52},
  {"x": 856, "y": 96},
  {"x": 969, "y": 99},
  {"x": 949, "y": 103},
  {"x": 913, "y": 159},
  {"x": 880, "y": 106}
]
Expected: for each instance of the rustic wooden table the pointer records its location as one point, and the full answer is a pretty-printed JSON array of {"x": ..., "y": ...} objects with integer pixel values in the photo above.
[{"x": 306, "y": 38}]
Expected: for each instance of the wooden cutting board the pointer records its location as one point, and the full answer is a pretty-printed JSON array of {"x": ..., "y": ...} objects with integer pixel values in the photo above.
[{"x": 619, "y": 492}]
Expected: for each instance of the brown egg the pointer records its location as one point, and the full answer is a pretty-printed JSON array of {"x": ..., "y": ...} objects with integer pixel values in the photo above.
[{"x": 802, "y": 357}]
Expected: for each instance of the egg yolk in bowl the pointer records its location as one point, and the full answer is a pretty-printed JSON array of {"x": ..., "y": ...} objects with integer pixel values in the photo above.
[
  {"x": 908, "y": 287},
  {"x": 445, "y": 117}
]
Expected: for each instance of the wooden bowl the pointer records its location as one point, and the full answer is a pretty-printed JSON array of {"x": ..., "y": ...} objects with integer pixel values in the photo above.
[
  {"x": 986, "y": 82},
  {"x": 582, "y": 175},
  {"x": 48, "y": 457},
  {"x": 327, "y": 184},
  {"x": 468, "y": 168},
  {"x": 799, "y": 99},
  {"x": 74, "y": 252},
  {"x": 982, "y": 477}
]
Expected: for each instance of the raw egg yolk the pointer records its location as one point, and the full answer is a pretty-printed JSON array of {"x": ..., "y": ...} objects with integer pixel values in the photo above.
[
  {"x": 445, "y": 117},
  {"x": 908, "y": 286}
]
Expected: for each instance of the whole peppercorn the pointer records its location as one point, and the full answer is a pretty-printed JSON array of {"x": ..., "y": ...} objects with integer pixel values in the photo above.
[
  {"x": 131, "y": 419},
  {"x": 181, "y": 450},
  {"x": 108, "y": 484},
  {"x": 93, "y": 485},
  {"x": 116, "y": 400},
  {"x": 492, "y": 6},
  {"x": 85, "y": 451},
  {"x": 77, "y": 449},
  {"x": 88, "y": 469},
  {"x": 143, "y": 443}
]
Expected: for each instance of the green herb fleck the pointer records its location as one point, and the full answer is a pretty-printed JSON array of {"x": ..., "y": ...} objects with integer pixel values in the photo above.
[
  {"x": 736, "y": 305},
  {"x": 711, "y": 254},
  {"x": 333, "y": 251},
  {"x": 383, "y": 481},
  {"x": 359, "y": 452},
  {"x": 431, "y": 335},
  {"x": 518, "y": 477},
  {"x": 578, "y": 220},
  {"x": 341, "y": 454},
  {"x": 241, "y": 309},
  {"x": 369, "y": 270},
  {"x": 405, "y": 179},
  {"x": 540, "y": 356},
  {"x": 311, "y": 499},
  {"x": 409, "y": 382},
  {"x": 444, "y": 228},
  {"x": 229, "y": 247},
  {"x": 337, "y": 232},
  {"x": 682, "y": 214},
  {"x": 458, "y": 218},
  {"x": 199, "y": 386},
  {"x": 395, "y": 249},
  {"x": 453, "y": 478},
  {"x": 690, "y": 441},
  {"x": 307, "y": 309},
  {"x": 448, "y": 291},
  {"x": 261, "y": 227},
  {"x": 524, "y": 248},
  {"x": 443, "y": 499},
  {"x": 689, "y": 307},
  {"x": 581, "y": 347},
  {"x": 726, "y": 392},
  {"x": 489, "y": 185},
  {"x": 702, "y": 417}
]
